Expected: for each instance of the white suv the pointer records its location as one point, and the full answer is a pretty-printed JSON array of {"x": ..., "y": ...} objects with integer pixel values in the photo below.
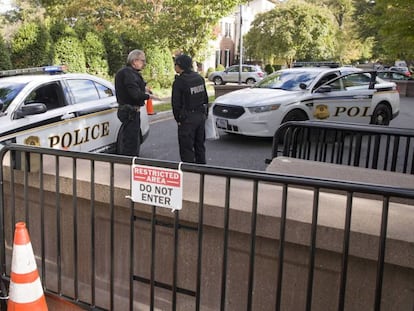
[
  {"x": 76, "y": 112},
  {"x": 250, "y": 74}
]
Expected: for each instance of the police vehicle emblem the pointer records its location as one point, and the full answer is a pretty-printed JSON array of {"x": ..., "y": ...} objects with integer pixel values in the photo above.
[
  {"x": 321, "y": 112},
  {"x": 32, "y": 141}
]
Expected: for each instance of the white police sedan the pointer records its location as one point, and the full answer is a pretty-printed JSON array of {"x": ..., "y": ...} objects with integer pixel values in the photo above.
[
  {"x": 307, "y": 93},
  {"x": 43, "y": 107}
]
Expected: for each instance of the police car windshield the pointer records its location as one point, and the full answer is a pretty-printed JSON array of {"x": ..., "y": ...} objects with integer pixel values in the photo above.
[
  {"x": 8, "y": 91},
  {"x": 288, "y": 80}
]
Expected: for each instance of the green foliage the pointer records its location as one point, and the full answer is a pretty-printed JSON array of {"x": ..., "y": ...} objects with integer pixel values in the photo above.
[
  {"x": 5, "y": 62},
  {"x": 159, "y": 70},
  {"x": 209, "y": 71},
  {"x": 343, "y": 30},
  {"x": 59, "y": 29},
  {"x": 220, "y": 67},
  {"x": 187, "y": 25},
  {"x": 277, "y": 67},
  {"x": 396, "y": 32},
  {"x": 114, "y": 51},
  {"x": 292, "y": 31},
  {"x": 269, "y": 69},
  {"x": 31, "y": 46},
  {"x": 95, "y": 55},
  {"x": 69, "y": 51}
]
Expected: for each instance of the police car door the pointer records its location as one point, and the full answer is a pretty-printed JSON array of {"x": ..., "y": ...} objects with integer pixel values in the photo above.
[
  {"x": 345, "y": 99},
  {"x": 96, "y": 125},
  {"x": 42, "y": 117}
]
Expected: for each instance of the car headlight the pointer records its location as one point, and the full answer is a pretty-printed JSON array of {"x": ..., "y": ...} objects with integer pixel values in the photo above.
[{"x": 264, "y": 108}]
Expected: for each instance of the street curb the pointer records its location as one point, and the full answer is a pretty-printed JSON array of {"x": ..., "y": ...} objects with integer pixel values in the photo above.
[{"x": 163, "y": 115}]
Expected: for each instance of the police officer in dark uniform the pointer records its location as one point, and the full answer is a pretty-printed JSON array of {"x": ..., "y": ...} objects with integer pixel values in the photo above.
[
  {"x": 190, "y": 108},
  {"x": 131, "y": 94}
]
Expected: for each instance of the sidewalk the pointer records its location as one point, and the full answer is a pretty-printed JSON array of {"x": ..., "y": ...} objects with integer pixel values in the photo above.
[{"x": 163, "y": 114}]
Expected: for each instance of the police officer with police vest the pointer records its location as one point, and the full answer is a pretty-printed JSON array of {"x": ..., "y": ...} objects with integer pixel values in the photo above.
[
  {"x": 131, "y": 94},
  {"x": 190, "y": 107}
]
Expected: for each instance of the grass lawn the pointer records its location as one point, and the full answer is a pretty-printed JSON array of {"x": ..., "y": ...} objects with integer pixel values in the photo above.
[
  {"x": 166, "y": 93},
  {"x": 167, "y": 106}
]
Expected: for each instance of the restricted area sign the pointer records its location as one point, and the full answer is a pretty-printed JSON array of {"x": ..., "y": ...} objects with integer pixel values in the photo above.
[{"x": 157, "y": 186}]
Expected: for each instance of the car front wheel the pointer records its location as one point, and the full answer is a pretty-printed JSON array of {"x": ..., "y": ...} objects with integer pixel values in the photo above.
[
  {"x": 218, "y": 81},
  {"x": 294, "y": 115},
  {"x": 382, "y": 115},
  {"x": 250, "y": 81}
]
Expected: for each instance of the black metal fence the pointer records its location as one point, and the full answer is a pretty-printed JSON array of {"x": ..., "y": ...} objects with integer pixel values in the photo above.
[
  {"x": 369, "y": 146},
  {"x": 47, "y": 193}
]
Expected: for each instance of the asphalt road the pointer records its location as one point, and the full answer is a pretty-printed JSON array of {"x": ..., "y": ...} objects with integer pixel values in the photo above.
[{"x": 232, "y": 150}]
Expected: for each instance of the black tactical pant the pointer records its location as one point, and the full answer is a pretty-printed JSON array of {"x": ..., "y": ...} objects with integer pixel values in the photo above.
[
  {"x": 191, "y": 138},
  {"x": 129, "y": 137}
]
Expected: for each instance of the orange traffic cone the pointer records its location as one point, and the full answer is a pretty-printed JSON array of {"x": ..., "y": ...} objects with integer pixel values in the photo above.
[
  {"x": 150, "y": 108},
  {"x": 25, "y": 292}
]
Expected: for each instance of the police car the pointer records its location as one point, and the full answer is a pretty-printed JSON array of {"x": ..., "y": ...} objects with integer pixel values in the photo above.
[
  {"x": 308, "y": 93},
  {"x": 45, "y": 107}
]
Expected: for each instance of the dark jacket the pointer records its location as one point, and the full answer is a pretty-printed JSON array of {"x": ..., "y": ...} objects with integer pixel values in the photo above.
[
  {"x": 130, "y": 87},
  {"x": 189, "y": 94}
]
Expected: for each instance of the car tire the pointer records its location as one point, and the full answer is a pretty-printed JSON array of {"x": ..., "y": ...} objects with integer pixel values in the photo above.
[
  {"x": 382, "y": 115},
  {"x": 218, "y": 81},
  {"x": 250, "y": 81},
  {"x": 294, "y": 115}
]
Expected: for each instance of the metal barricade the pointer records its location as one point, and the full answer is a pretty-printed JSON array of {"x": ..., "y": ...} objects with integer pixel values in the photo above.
[
  {"x": 244, "y": 240},
  {"x": 368, "y": 146}
]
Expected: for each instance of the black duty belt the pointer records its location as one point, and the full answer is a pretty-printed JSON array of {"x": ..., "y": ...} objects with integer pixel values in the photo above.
[
  {"x": 198, "y": 109},
  {"x": 128, "y": 107}
]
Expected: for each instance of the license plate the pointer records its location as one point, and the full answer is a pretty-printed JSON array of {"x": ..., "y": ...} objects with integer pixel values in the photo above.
[{"x": 221, "y": 123}]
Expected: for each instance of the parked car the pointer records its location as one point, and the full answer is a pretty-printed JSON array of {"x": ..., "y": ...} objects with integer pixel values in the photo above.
[
  {"x": 402, "y": 69},
  {"x": 393, "y": 75},
  {"x": 67, "y": 111},
  {"x": 250, "y": 74},
  {"x": 307, "y": 93}
]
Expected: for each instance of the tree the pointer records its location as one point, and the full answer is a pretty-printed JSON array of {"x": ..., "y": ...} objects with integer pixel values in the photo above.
[
  {"x": 31, "y": 46},
  {"x": 293, "y": 31},
  {"x": 5, "y": 62},
  {"x": 396, "y": 32},
  {"x": 349, "y": 47},
  {"x": 67, "y": 48},
  {"x": 185, "y": 25},
  {"x": 95, "y": 55},
  {"x": 159, "y": 71},
  {"x": 114, "y": 51}
]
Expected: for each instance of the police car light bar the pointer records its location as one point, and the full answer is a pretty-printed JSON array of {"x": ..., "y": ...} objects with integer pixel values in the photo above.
[
  {"x": 316, "y": 64},
  {"x": 33, "y": 70}
]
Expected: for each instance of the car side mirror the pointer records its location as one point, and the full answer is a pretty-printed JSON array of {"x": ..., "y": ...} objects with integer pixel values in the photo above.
[
  {"x": 30, "y": 109},
  {"x": 324, "y": 89},
  {"x": 302, "y": 86}
]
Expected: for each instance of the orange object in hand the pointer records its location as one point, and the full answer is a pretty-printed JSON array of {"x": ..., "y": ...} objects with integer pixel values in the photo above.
[{"x": 150, "y": 108}]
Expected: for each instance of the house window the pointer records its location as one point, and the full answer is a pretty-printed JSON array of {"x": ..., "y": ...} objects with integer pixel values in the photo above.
[
  {"x": 227, "y": 57},
  {"x": 218, "y": 57},
  {"x": 227, "y": 30}
]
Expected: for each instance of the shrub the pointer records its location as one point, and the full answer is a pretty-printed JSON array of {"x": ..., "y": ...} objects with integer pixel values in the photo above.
[
  {"x": 277, "y": 67},
  {"x": 5, "y": 62},
  {"x": 220, "y": 67},
  {"x": 159, "y": 71},
  {"x": 31, "y": 46},
  {"x": 69, "y": 51},
  {"x": 209, "y": 71},
  {"x": 269, "y": 69},
  {"x": 95, "y": 55},
  {"x": 114, "y": 51}
]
